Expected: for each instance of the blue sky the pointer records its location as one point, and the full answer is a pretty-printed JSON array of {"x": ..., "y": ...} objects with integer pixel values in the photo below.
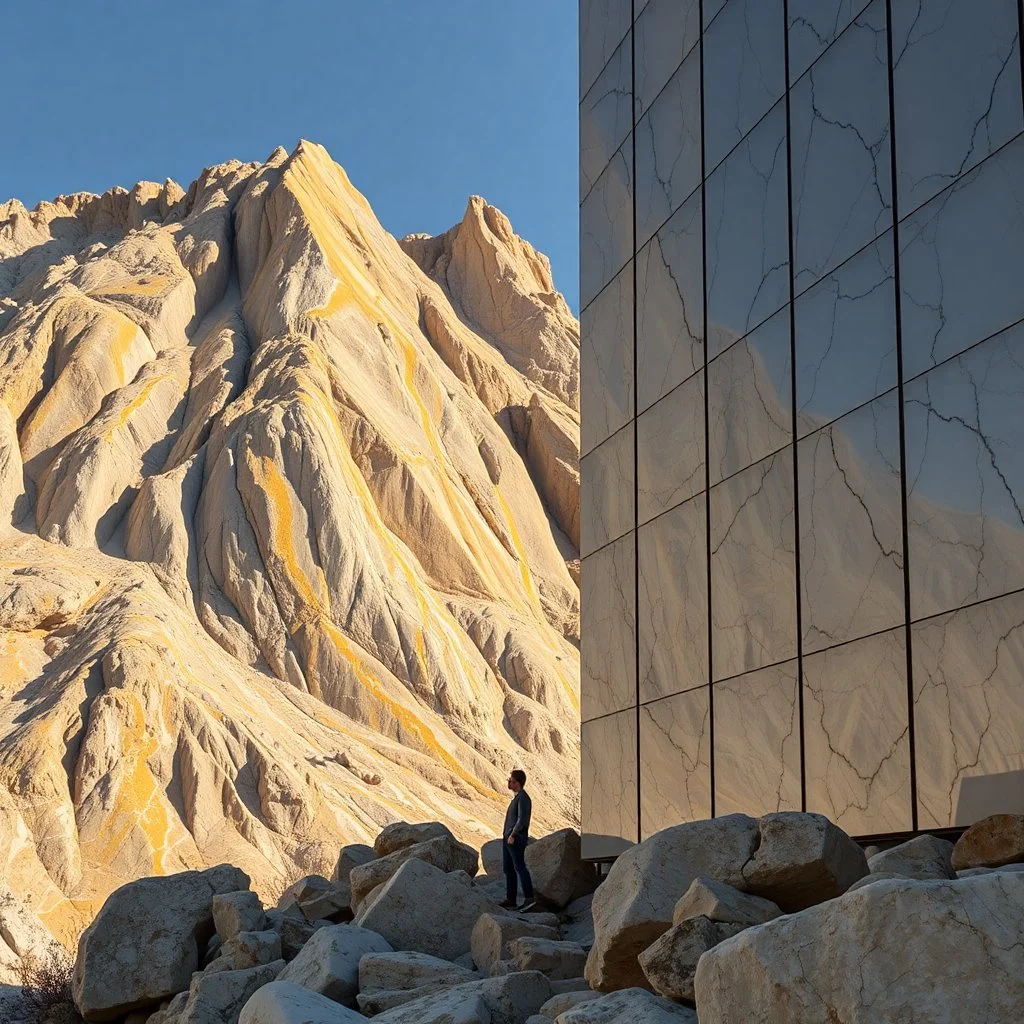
[{"x": 424, "y": 102}]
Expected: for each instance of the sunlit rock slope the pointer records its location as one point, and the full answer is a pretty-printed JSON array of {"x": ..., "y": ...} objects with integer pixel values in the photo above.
[{"x": 290, "y": 515}]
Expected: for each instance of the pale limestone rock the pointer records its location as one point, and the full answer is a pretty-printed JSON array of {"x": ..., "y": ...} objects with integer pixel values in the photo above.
[
  {"x": 491, "y": 857},
  {"x": 494, "y": 933},
  {"x": 293, "y": 928},
  {"x": 871, "y": 879},
  {"x": 401, "y": 834},
  {"x": 670, "y": 963},
  {"x": 235, "y": 912},
  {"x": 218, "y": 997},
  {"x": 566, "y": 1001},
  {"x": 991, "y": 842},
  {"x": 553, "y": 958},
  {"x": 971, "y": 872},
  {"x": 23, "y": 937},
  {"x": 405, "y": 911},
  {"x": 628, "y": 1006},
  {"x": 387, "y": 980},
  {"x": 894, "y": 950},
  {"x": 802, "y": 859},
  {"x": 116, "y": 971},
  {"x": 559, "y": 875},
  {"x": 283, "y": 1002},
  {"x": 922, "y": 857},
  {"x": 720, "y": 902},
  {"x": 633, "y": 906},
  {"x": 577, "y": 921},
  {"x": 251, "y": 949},
  {"x": 329, "y": 962},
  {"x": 506, "y": 1000},
  {"x": 351, "y": 856}
]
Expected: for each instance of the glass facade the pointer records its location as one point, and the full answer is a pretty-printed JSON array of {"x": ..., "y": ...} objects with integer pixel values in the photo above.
[{"x": 802, "y": 246}]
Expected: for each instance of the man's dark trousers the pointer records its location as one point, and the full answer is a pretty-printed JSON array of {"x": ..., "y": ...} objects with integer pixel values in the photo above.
[{"x": 513, "y": 861}]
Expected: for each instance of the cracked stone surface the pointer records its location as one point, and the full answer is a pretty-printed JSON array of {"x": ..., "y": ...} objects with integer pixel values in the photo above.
[
  {"x": 605, "y": 116},
  {"x": 608, "y": 779},
  {"x": 606, "y": 491},
  {"x": 606, "y": 224}
]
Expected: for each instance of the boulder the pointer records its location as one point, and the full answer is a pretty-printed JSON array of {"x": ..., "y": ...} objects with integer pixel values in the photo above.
[
  {"x": 145, "y": 942},
  {"x": 306, "y": 888},
  {"x": 671, "y": 962},
  {"x": 720, "y": 902},
  {"x": 400, "y": 834},
  {"x": 23, "y": 937},
  {"x": 235, "y": 912},
  {"x": 493, "y": 935},
  {"x": 551, "y": 957},
  {"x": 566, "y": 1001},
  {"x": 629, "y": 1006},
  {"x": 252, "y": 949},
  {"x": 350, "y": 856},
  {"x": 218, "y": 997},
  {"x": 880, "y": 876},
  {"x": 387, "y": 980},
  {"x": 559, "y": 875},
  {"x": 895, "y": 950},
  {"x": 991, "y": 842},
  {"x": 633, "y": 906},
  {"x": 921, "y": 857},
  {"x": 329, "y": 962},
  {"x": 802, "y": 859},
  {"x": 444, "y": 852},
  {"x": 492, "y": 857},
  {"x": 410, "y": 907},
  {"x": 1009, "y": 868},
  {"x": 507, "y": 1000},
  {"x": 294, "y": 929},
  {"x": 284, "y": 1002},
  {"x": 577, "y": 922},
  {"x": 560, "y": 985},
  {"x": 318, "y": 899}
]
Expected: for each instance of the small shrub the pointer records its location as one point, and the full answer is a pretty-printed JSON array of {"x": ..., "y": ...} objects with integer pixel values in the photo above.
[{"x": 46, "y": 987}]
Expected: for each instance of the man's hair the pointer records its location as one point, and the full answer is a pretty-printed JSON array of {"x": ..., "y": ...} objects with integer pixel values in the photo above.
[{"x": 520, "y": 776}]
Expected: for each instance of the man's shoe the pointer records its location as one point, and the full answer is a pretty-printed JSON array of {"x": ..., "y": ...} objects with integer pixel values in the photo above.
[
  {"x": 508, "y": 904},
  {"x": 529, "y": 906}
]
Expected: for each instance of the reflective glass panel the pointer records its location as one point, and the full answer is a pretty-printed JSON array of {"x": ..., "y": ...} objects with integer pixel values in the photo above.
[
  {"x": 605, "y": 116},
  {"x": 608, "y": 775},
  {"x": 606, "y": 491},
  {"x": 603, "y": 23},
  {"x": 606, "y": 225},
  {"x": 813, "y": 25},
  {"x": 666, "y": 31}
]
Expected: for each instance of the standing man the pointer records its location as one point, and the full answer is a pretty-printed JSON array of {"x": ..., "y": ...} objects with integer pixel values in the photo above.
[{"x": 515, "y": 833}]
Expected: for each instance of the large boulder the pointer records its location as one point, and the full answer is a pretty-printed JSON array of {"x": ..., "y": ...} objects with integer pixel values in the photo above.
[
  {"x": 898, "y": 950},
  {"x": 506, "y": 1000},
  {"x": 235, "y": 912},
  {"x": 577, "y": 921},
  {"x": 802, "y": 859},
  {"x": 329, "y": 962},
  {"x": 559, "y": 875},
  {"x": 294, "y": 929},
  {"x": 720, "y": 902},
  {"x": 670, "y": 963},
  {"x": 350, "y": 857},
  {"x": 492, "y": 857},
  {"x": 284, "y": 1002},
  {"x": 562, "y": 1001},
  {"x": 145, "y": 942},
  {"x": 217, "y": 997},
  {"x": 387, "y": 980},
  {"x": 634, "y": 904},
  {"x": 630, "y": 1006},
  {"x": 553, "y": 958},
  {"x": 400, "y": 834},
  {"x": 921, "y": 857},
  {"x": 444, "y": 852},
  {"x": 23, "y": 938},
  {"x": 318, "y": 899},
  {"x": 251, "y": 949},
  {"x": 493, "y": 935},
  {"x": 990, "y": 843},
  {"x": 422, "y": 908}
]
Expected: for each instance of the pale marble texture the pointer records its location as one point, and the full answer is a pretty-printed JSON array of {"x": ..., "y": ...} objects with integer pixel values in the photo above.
[
  {"x": 606, "y": 224},
  {"x": 605, "y": 116},
  {"x": 603, "y": 23},
  {"x": 813, "y": 26},
  {"x": 675, "y": 765},
  {"x": 859, "y": 774},
  {"x": 666, "y": 31},
  {"x": 608, "y": 629},
  {"x": 608, "y": 793},
  {"x": 607, "y": 497}
]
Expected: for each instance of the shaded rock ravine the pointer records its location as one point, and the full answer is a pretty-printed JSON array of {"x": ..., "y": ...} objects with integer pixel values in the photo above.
[{"x": 290, "y": 519}]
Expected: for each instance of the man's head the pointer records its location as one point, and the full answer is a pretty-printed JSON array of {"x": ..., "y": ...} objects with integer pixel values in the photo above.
[{"x": 516, "y": 780}]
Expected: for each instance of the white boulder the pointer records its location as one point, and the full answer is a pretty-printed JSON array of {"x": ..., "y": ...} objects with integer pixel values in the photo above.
[
  {"x": 921, "y": 857},
  {"x": 400, "y": 834},
  {"x": 559, "y": 874},
  {"x": 628, "y": 1006},
  {"x": 329, "y": 962},
  {"x": 720, "y": 902},
  {"x": 235, "y": 912},
  {"x": 553, "y": 958},
  {"x": 991, "y": 842},
  {"x": 284, "y": 1002},
  {"x": 494, "y": 933},
  {"x": 671, "y": 962}
]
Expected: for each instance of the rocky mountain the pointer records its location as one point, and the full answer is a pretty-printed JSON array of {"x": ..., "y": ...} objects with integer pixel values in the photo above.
[{"x": 290, "y": 530}]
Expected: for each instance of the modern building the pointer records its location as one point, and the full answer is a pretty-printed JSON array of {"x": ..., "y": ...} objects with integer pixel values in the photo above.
[{"x": 802, "y": 277}]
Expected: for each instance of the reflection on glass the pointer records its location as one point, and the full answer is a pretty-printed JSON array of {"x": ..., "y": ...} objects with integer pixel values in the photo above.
[
  {"x": 606, "y": 491},
  {"x": 744, "y": 71},
  {"x": 757, "y": 742},
  {"x": 605, "y": 116},
  {"x": 965, "y": 476},
  {"x": 670, "y": 449},
  {"x": 753, "y": 575},
  {"x": 670, "y": 298},
  {"x": 956, "y": 88},
  {"x": 855, "y": 734},
  {"x": 749, "y": 385},
  {"x": 666, "y": 31},
  {"x": 960, "y": 262},
  {"x": 842, "y": 192},
  {"x": 607, "y": 631},
  {"x": 846, "y": 337},
  {"x": 851, "y": 526},
  {"x": 668, "y": 149},
  {"x": 969, "y": 712},
  {"x": 675, "y": 761},
  {"x": 711, "y": 8},
  {"x": 608, "y": 775},
  {"x": 747, "y": 238},
  {"x": 603, "y": 23},
  {"x": 673, "y": 613},
  {"x": 813, "y": 25},
  {"x": 606, "y": 362},
  {"x": 606, "y": 225}
]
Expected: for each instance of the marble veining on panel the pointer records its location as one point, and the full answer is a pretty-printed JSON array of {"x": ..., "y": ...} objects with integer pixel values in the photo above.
[
  {"x": 965, "y": 476},
  {"x": 666, "y": 31},
  {"x": 856, "y": 746},
  {"x": 608, "y": 775},
  {"x": 757, "y": 742},
  {"x": 675, "y": 765},
  {"x": 607, "y": 631},
  {"x": 607, "y": 500},
  {"x": 673, "y": 594},
  {"x": 605, "y": 117},
  {"x": 603, "y": 23},
  {"x": 813, "y": 25},
  {"x": 606, "y": 225}
]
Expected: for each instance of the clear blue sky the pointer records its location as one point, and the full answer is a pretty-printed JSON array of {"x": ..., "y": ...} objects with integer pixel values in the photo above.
[{"x": 424, "y": 102}]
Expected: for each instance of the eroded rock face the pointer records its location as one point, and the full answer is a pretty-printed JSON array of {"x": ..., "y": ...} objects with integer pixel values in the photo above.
[{"x": 296, "y": 522}]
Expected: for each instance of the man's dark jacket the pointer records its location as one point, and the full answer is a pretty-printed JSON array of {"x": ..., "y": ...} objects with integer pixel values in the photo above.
[{"x": 517, "y": 817}]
